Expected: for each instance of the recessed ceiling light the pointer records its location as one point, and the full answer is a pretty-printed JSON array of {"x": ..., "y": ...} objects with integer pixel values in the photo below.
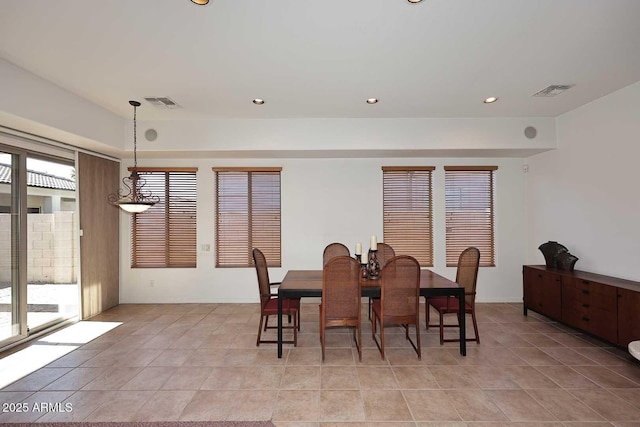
[
  {"x": 200, "y": 2},
  {"x": 372, "y": 101},
  {"x": 414, "y": 1},
  {"x": 258, "y": 101},
  {"x": 490, "y": 100}
]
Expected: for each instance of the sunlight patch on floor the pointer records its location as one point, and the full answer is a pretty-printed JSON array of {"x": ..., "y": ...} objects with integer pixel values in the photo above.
[{"x": 49, "y": 348}]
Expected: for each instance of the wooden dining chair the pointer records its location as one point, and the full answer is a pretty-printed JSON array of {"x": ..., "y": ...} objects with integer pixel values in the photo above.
[
  {"x": 399, "y": 302},
  {"x": 466, "y": 275},
  {"x": 384, "y": 254},
  {"x": 269, "y": 302},
  {"x": 334, "y": 250},
  {"x": 341, "y": 298}
]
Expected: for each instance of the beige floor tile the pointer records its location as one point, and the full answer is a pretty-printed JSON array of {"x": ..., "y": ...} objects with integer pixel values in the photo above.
[
  {"x": 564, "y": 406},
  {"x": 385, "y": 405},
  {"x": 568, "y": 356},
  {"x": 566, "y": 377},
  {"x": 112, "y": 378},
  {"x": 341, "y": 405},
  {"x": 150, "y": 378},
  {"x": 172, "y": 357},
  {"x": 38, "y": 380},
  {"x": 605, "y": 377},
  {"x": 304, "y": 356},
  {"x": 376, "y": 377},
  {"x": 452, "y": 377},
  {"x": 297, "y": 405},
  {"x": 164, "y": 405},
  {"x": 76, "y": 379},
  {"x": 534, "y": 356},
  {"x": 411, "y": 377},
  {"x": 528, "y": 377},
  {"x": 253, "y": 405},
  {"x": 608, "y": 405},
  {"x": 339, "y": 378},
  {"x": 74, "y": 359},
  {"x": 475, "y": 405},
  {"x": 83, "y": 403},
  {"x": 119, "y": 406},
  {"x": 206, "y": 357},
  {"x": 301, "y": 378},
  {"x": 187, "y": 378},
  {"x": 431, "y": 405},
  {"x": 517, "y": 405},
  {"x": 209, "y": 405},
  {"x": 225, "y": 378}
]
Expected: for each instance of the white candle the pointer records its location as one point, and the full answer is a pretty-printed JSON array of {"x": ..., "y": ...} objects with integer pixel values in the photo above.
[
  {"x": 359, "y": 248},
  {"x": 374, "y": 243}
]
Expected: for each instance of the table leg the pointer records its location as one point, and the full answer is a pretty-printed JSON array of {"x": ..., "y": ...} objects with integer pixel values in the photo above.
[
  {"x": 279, "y": 325},
  {"x": 463, "y": 325}
]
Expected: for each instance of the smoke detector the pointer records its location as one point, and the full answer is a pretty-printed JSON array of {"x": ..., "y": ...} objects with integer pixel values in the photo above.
[
  {"x": 162, "y": 102},
  {"x": 553, "y": 90}
]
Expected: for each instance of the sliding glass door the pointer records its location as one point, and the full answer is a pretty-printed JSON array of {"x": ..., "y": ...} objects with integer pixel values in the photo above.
[
  {"x": 38, "y": 243},
  {"x": 12, "y": 318},
  {"x": 52, "y": 253}
]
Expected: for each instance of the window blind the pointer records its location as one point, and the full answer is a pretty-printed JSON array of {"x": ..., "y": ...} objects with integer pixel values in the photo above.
[
  {"x": 469, "y": 205},
  {"x": 247, "y": 216},
  {"x": 165, "y": 235},
  {"x": 407, "y": 212}
]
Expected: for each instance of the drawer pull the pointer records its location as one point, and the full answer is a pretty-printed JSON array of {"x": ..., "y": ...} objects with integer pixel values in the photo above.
[
  {"x": 585, "y": 318},
  {"x": 586, "y": 292},
  {"x": 585, "y": 305}
]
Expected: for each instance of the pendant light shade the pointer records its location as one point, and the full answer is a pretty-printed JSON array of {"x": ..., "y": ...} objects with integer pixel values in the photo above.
[{"x": 133, "y": 198}]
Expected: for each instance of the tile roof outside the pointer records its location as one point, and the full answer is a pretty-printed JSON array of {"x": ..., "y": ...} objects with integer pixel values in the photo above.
[{"x": 38, "y": 179}]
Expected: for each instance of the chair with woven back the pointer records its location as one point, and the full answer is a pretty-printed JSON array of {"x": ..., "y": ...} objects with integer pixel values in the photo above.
[
  {"x": 333, "y": 250},
  {"x": 269, "y": 302},
  {"x": 466, "y": 275},
  {"x": 341, "y": 297},
  {"x": 384, "y": 254},
  {"x": 399, "y": 302}
]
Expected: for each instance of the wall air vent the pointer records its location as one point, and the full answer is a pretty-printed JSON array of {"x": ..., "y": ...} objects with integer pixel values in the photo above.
[
  {"x": 553, "y": 90},
  {"x": 162, "y": 102}
]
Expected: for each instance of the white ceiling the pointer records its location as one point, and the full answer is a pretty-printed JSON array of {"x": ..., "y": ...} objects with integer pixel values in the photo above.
[{"x": 323, "y": 58}]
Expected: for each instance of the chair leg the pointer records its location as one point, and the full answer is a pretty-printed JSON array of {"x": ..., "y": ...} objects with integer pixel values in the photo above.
[
  {"x": 359, "y": 342},
  {"x": 266, "y": 322},
  {"x": 441, "y": 328},
  {"x": 475, "y": 326},
  {"x": 259, "y": 330},
  {"x": 382, "y": 339},
  {"x": 295, "y": 329},
  {"x": 426, "y": 312},
  {"x": 418, "y": 339}
]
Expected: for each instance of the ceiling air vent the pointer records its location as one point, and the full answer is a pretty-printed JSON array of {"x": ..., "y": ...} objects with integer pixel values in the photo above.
[
  {"x": 553, "y": 90},
  {"x": 162, "y": 102}
]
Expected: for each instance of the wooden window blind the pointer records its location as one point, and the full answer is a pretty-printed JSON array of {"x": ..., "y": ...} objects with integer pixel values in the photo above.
[
  {"x": 165, "y": 235},
  {"x": 407, "y": 211},
  {"x": 247, "y": 216},
  {"x": 469, "y": 206}
]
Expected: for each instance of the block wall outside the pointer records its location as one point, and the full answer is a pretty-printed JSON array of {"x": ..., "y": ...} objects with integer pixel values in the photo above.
[{"x": 51, "y": 248}]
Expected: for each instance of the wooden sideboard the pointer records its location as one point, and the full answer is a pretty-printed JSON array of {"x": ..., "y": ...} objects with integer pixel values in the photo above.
[{"x": 604, "y": 306}]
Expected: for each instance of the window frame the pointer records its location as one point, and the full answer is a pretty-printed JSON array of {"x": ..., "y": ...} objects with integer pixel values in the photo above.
[
  {"x": 392, "y": 177},
  {"x": 271, "y": 241},
  {"x": 171, "y": 236},
  {"x": 483, "y": 197}
]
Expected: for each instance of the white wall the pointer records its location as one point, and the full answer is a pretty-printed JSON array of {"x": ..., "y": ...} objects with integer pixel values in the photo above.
[
  {"x": 31, "y": 104},
  {"x": 326, "y": 200},
  {"x": 585, "y": 194}
]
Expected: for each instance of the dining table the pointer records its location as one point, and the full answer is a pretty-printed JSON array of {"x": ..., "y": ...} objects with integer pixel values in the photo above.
[{"x": 308, "y": 283}]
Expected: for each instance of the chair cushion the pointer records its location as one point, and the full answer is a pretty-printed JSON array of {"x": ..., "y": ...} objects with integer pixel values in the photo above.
[
  {"x": 375, "y": 306},
  {"x": 447, "y": 304},
  {"x": 288, "y": 304}
]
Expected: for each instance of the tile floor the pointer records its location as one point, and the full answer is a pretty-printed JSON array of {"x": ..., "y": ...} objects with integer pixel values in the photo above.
[{"x": 200, "y": 362}]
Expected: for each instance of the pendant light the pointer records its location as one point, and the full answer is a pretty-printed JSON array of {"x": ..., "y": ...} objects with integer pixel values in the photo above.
[{"x": 134, "y": 198}]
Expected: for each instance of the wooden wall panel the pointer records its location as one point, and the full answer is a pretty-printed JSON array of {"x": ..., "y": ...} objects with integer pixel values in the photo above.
[{"x": 99, "y": 244}]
